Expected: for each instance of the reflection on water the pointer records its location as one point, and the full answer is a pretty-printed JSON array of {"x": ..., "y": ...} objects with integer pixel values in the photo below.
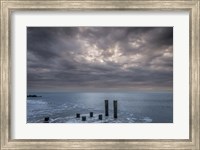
[{"x": 133, "y": 107}]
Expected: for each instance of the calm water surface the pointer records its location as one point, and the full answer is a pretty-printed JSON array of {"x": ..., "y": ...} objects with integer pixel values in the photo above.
[{"x": 135, "y": 107}]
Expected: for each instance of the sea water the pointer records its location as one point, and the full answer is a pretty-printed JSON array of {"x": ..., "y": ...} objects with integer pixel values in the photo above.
[{"x": 133, "y": 107}]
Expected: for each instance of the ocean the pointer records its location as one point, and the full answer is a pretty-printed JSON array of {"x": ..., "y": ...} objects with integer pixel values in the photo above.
[{"x": 133, "y": 107}]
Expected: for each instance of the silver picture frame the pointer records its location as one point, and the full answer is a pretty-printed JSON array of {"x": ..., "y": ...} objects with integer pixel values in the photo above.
[{"x": 8, "y": 7}]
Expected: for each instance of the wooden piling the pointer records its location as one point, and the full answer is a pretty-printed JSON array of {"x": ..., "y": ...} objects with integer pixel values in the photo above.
[
  {"x": 83, "y": 118},
  {"x": 78, "y": 115},
  {"x": 115, "y": 108},
  {"x": 46, "y": 120},
  {"x": 100, "y": 117},
  {"x": 106, "y": 108},
  {"x": 91, "y": 114}
]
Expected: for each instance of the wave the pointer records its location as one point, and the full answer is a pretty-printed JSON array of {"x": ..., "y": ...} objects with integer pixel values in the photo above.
[
  {"x": 41, "y": 102},
  {"x": 95, "y": 119}
]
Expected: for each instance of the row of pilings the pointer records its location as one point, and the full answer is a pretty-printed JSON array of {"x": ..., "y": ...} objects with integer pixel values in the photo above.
[{"x": 100, "y": 116}]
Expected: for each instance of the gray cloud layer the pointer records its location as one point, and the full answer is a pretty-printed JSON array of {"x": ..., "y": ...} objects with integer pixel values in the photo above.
[{"x": 99, "y": 58}]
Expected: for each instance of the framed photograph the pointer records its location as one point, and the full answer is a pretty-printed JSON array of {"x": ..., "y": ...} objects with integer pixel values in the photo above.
[{"x": 100, "y": 74}]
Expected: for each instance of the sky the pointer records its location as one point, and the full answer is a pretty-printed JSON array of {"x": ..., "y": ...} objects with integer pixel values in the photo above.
[{"x": 92, "y": 59}]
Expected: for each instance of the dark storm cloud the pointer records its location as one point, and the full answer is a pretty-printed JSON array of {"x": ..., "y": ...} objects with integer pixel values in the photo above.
[{"x": 99, "y": 58}]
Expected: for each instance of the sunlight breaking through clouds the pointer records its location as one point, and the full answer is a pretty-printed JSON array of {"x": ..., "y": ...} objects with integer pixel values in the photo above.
[{"x": 95, "y": 58}]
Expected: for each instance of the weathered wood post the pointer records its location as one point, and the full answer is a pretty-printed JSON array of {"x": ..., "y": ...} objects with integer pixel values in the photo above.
[
  {"x": 77, "y": 115},
  {"x": 46, "y": 120},
  {"x": 83, "y": 118},
  {"x": 100, "y": 117},
  {"x": 91, "y": 114},
  {"x": 115, "y": 108},
  {"x": 106, "y": 108}
]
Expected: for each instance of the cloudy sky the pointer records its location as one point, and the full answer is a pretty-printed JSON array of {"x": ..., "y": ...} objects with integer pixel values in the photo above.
[{"x": 99, "y": 58}]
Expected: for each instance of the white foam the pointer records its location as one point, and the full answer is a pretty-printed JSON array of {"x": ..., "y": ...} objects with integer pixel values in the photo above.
[{"x": 36, "y": 102}]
